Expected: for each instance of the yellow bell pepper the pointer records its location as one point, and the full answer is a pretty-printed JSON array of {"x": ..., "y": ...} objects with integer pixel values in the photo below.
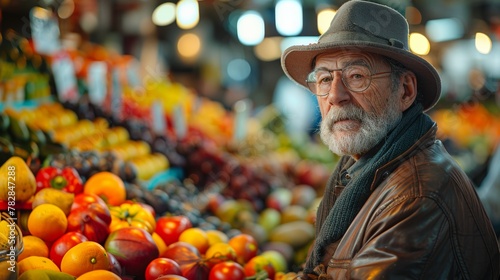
[{"x": 131, "y": 214}]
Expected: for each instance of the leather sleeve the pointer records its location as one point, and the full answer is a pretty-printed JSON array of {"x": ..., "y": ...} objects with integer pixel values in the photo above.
[{"x": 402, "y": 241}]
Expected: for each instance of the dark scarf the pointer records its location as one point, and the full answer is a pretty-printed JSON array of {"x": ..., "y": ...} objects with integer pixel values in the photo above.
[{"x": 334, "y": 217}]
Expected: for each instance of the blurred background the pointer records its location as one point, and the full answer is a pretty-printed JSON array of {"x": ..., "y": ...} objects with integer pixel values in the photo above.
[{"x": 229, "y": 50}]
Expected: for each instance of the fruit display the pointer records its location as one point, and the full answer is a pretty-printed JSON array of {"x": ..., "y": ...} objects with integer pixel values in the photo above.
[
  {"x": 97, "y": 193},
  {"x": 471, "y": 132},
  {"x": 102, "y": 224}
]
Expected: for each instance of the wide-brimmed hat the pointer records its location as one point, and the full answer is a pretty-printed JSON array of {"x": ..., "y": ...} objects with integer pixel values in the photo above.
[{"x": 368, "y": 27}]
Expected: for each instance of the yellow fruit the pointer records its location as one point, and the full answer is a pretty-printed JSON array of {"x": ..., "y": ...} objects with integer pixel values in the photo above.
[
  {"x": 59, "y": 198},
  {"x": 17, "y": 182},
  {"x": 159, "y": 243},
  {"x": 36, "y": 262},
  {"x": 45, "y": 274},
  {"x": 47, "y": 222},
  {"x": 33, "y": 246},
  {"x": 196, "y": 237},
  {"x": 220, "y": 252},
  {"x": 216, "y": 236},
  {"x": 100, "y": 274},
  {"x": 276, "y": 259}
]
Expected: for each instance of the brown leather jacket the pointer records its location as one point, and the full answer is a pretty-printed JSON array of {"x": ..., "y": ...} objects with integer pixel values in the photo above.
[{"x": 422, "y": 221}]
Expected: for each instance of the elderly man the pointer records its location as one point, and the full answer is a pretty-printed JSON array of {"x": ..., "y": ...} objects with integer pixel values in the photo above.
[{"x": 397, "y": 205}]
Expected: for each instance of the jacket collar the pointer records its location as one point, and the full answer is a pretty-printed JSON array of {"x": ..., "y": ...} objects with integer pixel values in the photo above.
[{"x": 383, "y": 172}]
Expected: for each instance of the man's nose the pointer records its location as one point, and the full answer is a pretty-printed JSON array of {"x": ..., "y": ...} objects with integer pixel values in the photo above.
[{"x": 339, "y": 93}]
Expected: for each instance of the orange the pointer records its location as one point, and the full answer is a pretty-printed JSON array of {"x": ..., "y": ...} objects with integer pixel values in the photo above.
[
  {"x": 196, "y": 237},
  {"x": 47, "y": 222},
  {"x": 36, "y": 262},
  {"x": 33, "y": 246},
  {"x": 108, "y": 186},
  {"x": 216, "y": 236},
  {"x": 159, "y": 243},
  {"x": 85, "y": 257},
  {"x": 100, "y": 274}
]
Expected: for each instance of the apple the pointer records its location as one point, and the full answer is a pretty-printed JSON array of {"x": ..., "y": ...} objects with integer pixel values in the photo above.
[
  {"x": 82, "y": 200},
  {"x": 269, "y": 218},
  {"x": 257, "y": 264},
  {"x": 279, "y": 198},
  {"x": 182, "y": 252},
  {"x": 114, "y": 265},
  {"x": 92, "y": 221},
  {"x": 303, "y": 195},
  {"x": 134, "y": 248}
]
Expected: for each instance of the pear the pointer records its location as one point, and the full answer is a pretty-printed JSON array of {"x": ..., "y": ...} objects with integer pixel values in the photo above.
[
  {"x": 59, "y": 198},
  {"x": 16, "y": 180}
]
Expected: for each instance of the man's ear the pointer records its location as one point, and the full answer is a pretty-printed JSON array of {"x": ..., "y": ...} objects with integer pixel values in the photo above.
[{"x": 408, "y": 91}]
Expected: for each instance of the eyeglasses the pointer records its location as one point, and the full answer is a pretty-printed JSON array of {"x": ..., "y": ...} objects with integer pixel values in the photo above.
[{"x": 356, "y": 78}]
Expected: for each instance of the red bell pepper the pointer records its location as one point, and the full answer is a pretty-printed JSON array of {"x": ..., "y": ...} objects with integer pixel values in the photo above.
[{"x": 66, "y": 179}]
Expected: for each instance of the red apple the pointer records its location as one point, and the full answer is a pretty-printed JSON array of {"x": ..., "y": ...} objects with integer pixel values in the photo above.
[
  {"x": 114, "y": 265},
  {"x": 134, "y": 248},
  {"x": 182, "y": 252},
  {"x": 92, "y": 221}
]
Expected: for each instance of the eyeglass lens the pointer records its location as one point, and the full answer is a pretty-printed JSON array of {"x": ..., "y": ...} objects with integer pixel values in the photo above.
[{"x": 355, "y": 77}]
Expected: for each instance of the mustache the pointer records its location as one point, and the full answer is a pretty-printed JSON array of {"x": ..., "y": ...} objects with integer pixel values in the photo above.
[{"x": 349, "y": 112}]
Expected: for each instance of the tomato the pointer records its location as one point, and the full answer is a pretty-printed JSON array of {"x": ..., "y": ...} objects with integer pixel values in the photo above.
[
  {"x": 162, "y": 266},
  {"x": 227, "y": 271},
  {"x": 258, "y": 264},
  {"x": 169, "y": 228},
  {"x": 245, "y": 246},
  {"x": 63, "y": 244}
]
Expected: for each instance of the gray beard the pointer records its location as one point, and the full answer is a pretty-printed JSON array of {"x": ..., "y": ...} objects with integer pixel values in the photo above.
[{"x": 373, "y": 128}]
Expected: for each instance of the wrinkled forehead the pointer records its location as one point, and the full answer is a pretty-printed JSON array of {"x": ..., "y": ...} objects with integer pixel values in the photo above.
[{"x": 340, "y": 58}]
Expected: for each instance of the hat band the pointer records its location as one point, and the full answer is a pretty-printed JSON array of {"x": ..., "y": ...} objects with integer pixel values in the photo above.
[{"x": 350, "y": 39}]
